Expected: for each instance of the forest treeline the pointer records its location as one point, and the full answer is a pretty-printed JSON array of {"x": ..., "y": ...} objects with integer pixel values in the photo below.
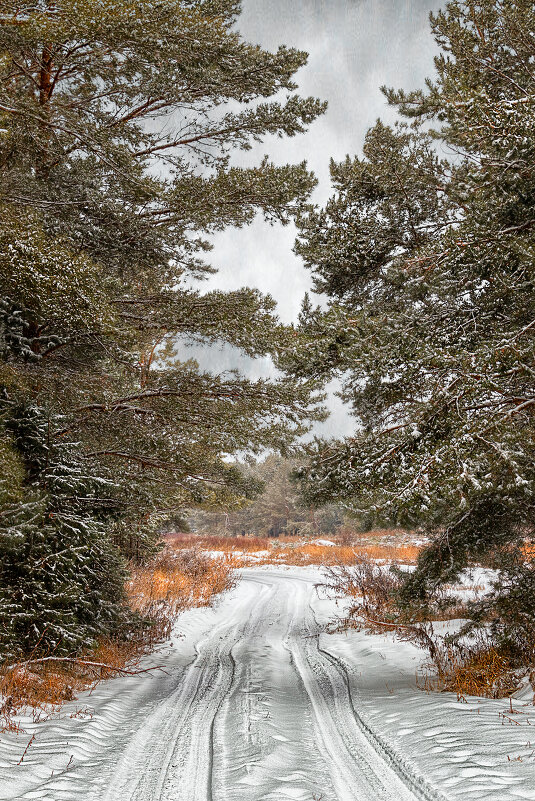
[
  {"x": 118, "y": 122},
  {"x": 277, "y": 510}
]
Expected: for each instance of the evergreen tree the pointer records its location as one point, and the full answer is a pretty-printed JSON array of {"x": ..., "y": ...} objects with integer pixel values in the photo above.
[
  {"x": 275, "y": 507},
  {"x": 428, "y": 264},
  {"x": 61, "y": 579},
  {"x": 117, "y": 125}
]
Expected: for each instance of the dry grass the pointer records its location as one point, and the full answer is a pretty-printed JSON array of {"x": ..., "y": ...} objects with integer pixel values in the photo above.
[
  {"x": 529, "y": 550},
  {"x": 39, "y": 687},
  {"x": 404, "y": 554},
  {"x": 349, "y": 547},
  {"x": 482, "y": 671},
  {"x": 175, "y": 581},
  {"x": 41, "y": 691},
  {"x": 226, "y": 544}
]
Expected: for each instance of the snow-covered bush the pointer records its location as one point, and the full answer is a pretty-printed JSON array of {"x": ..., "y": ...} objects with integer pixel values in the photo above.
[{"x": 61, "y": 579}]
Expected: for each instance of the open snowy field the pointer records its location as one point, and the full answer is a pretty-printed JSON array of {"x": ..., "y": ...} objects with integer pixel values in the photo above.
[{"x": 257, "y": 704}]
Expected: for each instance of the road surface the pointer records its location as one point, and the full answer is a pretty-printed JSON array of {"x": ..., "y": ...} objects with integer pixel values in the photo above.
[{"x": 256, "y": 711}]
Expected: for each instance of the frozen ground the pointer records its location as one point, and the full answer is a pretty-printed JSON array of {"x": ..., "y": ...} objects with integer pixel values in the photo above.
[{"x": 256, "y": 704}]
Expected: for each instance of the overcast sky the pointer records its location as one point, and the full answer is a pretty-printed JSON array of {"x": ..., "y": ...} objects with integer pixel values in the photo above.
[{"x": 354, "y": 46}]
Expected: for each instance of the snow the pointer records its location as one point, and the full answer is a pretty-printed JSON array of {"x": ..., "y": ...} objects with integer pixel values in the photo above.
[{"x": 257, "y": 703}]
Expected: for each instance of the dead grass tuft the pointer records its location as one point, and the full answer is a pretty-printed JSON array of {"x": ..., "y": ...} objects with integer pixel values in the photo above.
[{"x": 483, "y": 670}]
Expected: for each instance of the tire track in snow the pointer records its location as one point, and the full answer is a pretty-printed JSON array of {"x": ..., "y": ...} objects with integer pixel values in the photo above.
[
  {"x": 180, "y": 756},
  {"x": 359, "y": 773},
  {"x": 421, "y": 788},
  {"x": 261, "y": 713},
  {"x": 174, "y": 747},
  {"x": 267, "y": 751},
  {"x": 362, "y": 765}
]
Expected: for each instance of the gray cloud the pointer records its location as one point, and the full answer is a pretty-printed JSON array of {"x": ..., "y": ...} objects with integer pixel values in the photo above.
[{"x": 354, "y": 47}]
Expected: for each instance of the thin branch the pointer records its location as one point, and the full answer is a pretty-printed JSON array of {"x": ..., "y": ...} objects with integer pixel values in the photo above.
[{"x": 84, "y": 663}]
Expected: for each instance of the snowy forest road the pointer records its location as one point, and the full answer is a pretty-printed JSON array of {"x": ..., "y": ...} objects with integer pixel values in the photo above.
[
  {"x": 262, "y": 714},
  {"x": 258, "y": 711}
]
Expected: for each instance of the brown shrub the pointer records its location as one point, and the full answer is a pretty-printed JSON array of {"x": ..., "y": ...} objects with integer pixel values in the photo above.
[{"x": 370, "y": 586}]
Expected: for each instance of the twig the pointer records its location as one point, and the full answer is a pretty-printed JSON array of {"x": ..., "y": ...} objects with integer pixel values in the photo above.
[
  {"x": 26, "y": 749},
  {"x": 85, "y": 663}
]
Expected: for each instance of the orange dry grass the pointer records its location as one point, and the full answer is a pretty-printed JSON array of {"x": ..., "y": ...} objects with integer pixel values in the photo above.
[
  {"x": 311, "y": 554},
  {"x": 225, "y": 544},
  {"x": 158, "y": 592},
  {"x": 486, "y": 673},
  {"x": 529, "y": 550},
  {"x": 295, "y": 551},
  {"x": 177, "y": 581},
  {"x": 408, "y": 554},
  {"x": 42, "y": 690}
]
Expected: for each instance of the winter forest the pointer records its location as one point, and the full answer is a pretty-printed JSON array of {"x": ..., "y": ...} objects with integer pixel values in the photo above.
[{"x": 267, "y": 396}]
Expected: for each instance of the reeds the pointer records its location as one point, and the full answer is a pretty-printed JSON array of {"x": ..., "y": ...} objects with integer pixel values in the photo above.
[
  {"x": 482, "y": 670},
  {"x": 348, "y": 548}
]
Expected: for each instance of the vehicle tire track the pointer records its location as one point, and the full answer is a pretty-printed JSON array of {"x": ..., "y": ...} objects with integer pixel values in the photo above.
[
  {"x": 271, "y": 756},
  {"x": 359, "y": 767},
  {"x": 421, "y": 788},
  {"x": 164, "y": 745}
]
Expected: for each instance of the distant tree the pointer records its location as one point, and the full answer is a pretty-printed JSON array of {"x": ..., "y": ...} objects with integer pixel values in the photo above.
[
  {"x": 427, "y": 262},
  {"x": 278, "y": 509}
]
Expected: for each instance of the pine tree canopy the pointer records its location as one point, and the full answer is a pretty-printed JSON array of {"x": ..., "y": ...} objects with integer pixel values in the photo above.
[
  {"x": 118, "y": 121},
  {"x": 426, "y": 252}
]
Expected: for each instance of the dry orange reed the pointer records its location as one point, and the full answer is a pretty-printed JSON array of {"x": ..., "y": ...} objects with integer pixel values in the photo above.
[
  {"x": 241, "y": 551},
  {"x": 175, "y": 581},
  {"x": 486, "y": 673}
]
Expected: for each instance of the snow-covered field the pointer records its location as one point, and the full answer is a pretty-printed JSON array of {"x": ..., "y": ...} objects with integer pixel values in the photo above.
[{"x": 257, "y": 704}]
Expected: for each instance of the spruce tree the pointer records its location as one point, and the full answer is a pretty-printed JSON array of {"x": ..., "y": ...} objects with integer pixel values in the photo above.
[{"x": 61, "y": 579}]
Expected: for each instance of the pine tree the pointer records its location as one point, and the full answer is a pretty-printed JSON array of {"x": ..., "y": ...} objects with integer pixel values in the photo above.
[
  {"x": 274, "y": 507},
  {"x": 428, "y": 264},
  {"x": 118, "y": 121}
]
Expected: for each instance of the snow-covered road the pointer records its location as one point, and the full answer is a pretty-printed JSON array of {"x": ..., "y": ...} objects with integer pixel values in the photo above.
[
  {"x": 262, "y": 713},
  {"x": 254, "y": 705}
]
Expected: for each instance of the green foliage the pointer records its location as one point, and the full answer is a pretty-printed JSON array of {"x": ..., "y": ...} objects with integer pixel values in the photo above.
[
  {"x": 118, "y": 120},
  {"x": 428, "y": 264},
  {"x": 61, "y": 580},
  {"x": 35, "y": 273},
  {"x": 506, "y": 614},
  {"x": 385, "y": 203}
]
